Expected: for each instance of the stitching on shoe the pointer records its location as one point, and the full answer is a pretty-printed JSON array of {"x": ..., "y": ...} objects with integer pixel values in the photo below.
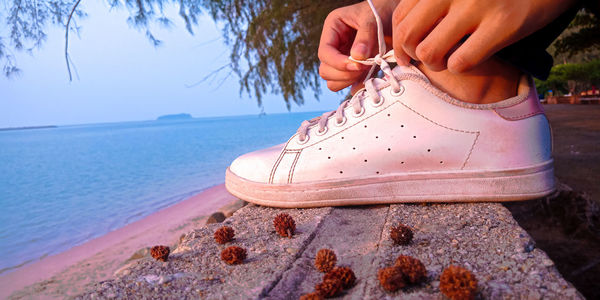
[
  {"x": 276, "y": 166},
  {"x": 470, "y": 151},
  {"x": 293, "y": 167},
  {"x": 517, "y": 117},
  {"x": 477, "y": 133},
  {"x": 458, "y": 130},
  {"x": 424, "y": 117},
  {"x": 285, "y": 149}
]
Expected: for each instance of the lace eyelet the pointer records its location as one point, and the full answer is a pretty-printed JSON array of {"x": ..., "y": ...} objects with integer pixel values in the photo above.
[
  {"x": 396, "y": 93},
  {"x": 359, "y": 114},
  {"x": 302, "y": 142},
  {"x": 378, "y": 103},
  {"x": 319, "y": 132},
  {"x": 340, "y": 124}
]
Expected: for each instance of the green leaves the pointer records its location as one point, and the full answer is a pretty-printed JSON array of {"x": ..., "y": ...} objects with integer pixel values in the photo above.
[
  {"x": 583, "y": 34},
  {"x": 575, "y": 78}
]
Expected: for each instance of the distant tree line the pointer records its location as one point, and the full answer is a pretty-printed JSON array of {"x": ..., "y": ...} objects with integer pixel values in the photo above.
[
  {"x": 577, "y": 58},
  {"x": 571, "y": 78}
]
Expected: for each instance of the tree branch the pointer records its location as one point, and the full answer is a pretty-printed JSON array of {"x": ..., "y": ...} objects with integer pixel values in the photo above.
[
  {"x": 67, "y": 38},
  {"x": 210, "y": 75}
]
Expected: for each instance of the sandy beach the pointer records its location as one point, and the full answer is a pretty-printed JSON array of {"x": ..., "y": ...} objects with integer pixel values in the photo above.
[{"x": 67, "y": 273}]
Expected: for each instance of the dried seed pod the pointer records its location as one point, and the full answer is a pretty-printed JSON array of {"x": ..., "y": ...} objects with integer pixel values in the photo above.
[
  {"x": 312, "y": 296},
  {"x": 413, "y": 269},
  {"x": 284, "y": 225},
  {"x": 391, "y": 278},
  {"x": 224, "y": 235},
  {"x": 160, "y": 252},
  {"x": 458, "y": 283},
  {"x": 401, "y": 234},
  {"x": 325, "y": 260},
  {"x": 233, "y": 255},
  {"x": 344, "y": 274},
  {"x": 329, "y": 288}
]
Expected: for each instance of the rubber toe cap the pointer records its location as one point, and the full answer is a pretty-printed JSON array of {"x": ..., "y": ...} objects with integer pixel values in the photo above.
[{"x": 256, "y": 166}]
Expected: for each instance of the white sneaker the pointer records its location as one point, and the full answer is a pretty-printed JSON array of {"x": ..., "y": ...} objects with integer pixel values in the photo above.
[
  {"x": 414, "y": 144},
  {"x": 403, "y": 140}
]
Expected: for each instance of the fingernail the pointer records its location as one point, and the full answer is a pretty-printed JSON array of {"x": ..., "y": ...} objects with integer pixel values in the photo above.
[
  {"x": 353, "y": 67},
  {"x": 359, "y": 51}
]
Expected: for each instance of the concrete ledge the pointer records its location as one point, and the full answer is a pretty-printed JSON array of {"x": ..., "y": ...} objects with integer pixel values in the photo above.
[{"x": 481, "y": 237}]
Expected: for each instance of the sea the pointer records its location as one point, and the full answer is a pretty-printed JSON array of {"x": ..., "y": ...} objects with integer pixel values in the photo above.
[{"x": 63, "y": 186}]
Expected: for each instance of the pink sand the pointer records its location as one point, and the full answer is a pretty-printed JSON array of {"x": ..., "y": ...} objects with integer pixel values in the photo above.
[{"x": 66, "y": 274}]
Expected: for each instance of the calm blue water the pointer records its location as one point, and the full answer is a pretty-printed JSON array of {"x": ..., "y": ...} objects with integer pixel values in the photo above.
[{"x": 60, "y": 187}]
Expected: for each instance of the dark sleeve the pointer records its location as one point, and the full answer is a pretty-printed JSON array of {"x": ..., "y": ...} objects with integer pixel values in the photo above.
[
  {"x": 530, "y": 55},
  {"x": 593, "y": 6}
]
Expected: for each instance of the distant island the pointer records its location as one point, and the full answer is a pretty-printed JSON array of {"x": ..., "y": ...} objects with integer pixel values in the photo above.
[
  {"x": 175, "y": 117},
  {"x": 27, "y": 127}
]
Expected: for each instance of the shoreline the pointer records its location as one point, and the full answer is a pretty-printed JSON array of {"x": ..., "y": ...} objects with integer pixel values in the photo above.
[
  {"x": 169, "y": 201},
  {"x": 68, "y": 272}
]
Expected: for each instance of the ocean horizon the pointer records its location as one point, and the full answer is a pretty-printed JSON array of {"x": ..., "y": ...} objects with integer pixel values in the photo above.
[{"x": 62, "y": 186}]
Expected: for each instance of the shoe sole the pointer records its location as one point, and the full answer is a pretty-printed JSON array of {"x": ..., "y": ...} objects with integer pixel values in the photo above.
[{"x": 460, "y": 186}]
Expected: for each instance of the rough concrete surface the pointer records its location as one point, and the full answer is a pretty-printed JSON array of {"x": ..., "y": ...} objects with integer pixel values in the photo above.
[{"x": 481, "y": 237}]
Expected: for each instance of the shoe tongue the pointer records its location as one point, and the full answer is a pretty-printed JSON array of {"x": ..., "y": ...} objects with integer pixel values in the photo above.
[{"x": 409, "y": 70}]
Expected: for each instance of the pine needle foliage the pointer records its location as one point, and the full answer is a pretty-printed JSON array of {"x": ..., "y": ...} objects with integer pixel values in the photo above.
[
  {"x": 582, "y": 36},
  {"x": 273, "y": 42}
]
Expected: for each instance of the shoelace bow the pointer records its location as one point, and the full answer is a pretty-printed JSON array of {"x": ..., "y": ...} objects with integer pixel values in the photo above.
[{"x": 380, "y": 60}]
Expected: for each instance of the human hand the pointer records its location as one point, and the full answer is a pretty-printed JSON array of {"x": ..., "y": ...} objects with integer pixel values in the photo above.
[
  {"x": 459, "y": 34},
  {"x": 351, "y": 30}
]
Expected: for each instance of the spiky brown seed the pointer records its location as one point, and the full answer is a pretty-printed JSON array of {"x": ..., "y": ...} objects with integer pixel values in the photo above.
[
  {"x": 284, "y": 225},
  {"x": 413, "y": 269},
  {"x": 224, "y": 235},
  {"x": 160, "y": 252},
  {"x": 458, "y": 283},
  {"x": 233, "y": 255},
  {"x": 329, "y": 288},
  {"x": 401, "y": 234},
  {"x": 391, "y": 278},
  {"x": 343, "y": 274},
  {"x": 325, "y": 260},
  {"x": 311, "y": 296}
]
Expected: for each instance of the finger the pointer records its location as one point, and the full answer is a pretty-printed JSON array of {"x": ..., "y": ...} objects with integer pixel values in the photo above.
[
  {"x": 421, "y": 20},
  {"x": 365, "y": 42},
  {"x": 479, "y": 46},
  {"x": 401, "y": 10},
  {"x": 328, "y": 72},
  {"x": 330, "y": 55},
  {"x": 333, "y": 38},
  {"x": 337, "y": 86},
  {"x": 435, "y": 49},
  {"x": 399, "y": 14}
]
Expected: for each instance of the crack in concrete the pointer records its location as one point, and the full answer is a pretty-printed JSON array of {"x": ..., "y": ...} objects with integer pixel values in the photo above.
[
  {"x": 265, "y": 292},
  {"x": 376, "y": 257}
]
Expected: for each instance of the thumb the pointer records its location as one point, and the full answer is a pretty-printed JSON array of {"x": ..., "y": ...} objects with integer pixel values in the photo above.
[{"x": 365, "y": 42}]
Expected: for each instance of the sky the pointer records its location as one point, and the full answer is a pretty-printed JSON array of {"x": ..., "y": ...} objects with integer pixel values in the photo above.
[{"x": 122, "y": 77}]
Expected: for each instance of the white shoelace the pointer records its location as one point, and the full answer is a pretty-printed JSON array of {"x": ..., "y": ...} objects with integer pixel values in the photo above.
[{"x": 381, "y": 59}]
